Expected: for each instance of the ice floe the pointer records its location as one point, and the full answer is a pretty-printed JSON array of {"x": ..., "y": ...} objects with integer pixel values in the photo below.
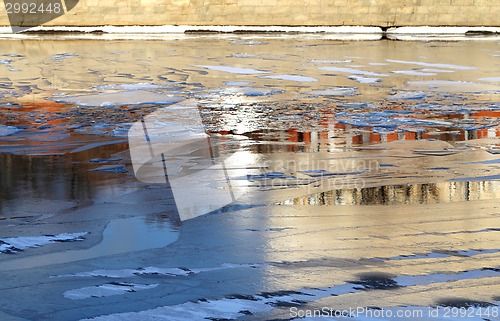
[
  {"x": 364, "y": 80},
  {"x": 297, "y": 78},
  {"x": 238, "y": 83},
  {"x": 136, "y": 86},
  {"x": 8, "y": 130},
  {"x": 413, "y": 73},
  {"x": 353, "y": 71},
  {"x": 338, "y": 91},
  {"x": 133, "y": 97},
  {"x": 491, "y": 79},
  {"x": 16, "y": 244},
  {"x": 247, "y": 42},
  {"x": 109, "y": 289},
  {"x": 242, "y": 55},
  {"x": 235, "y": 70},
  {"x": 430, "y": 64},
  {"x": 408, "y": 95},
  {"x": 432, "y": 70},
  {"x": 386, "y": 119},
  {"x": 452, "y": 86},
  {"x": 62, "y": 56},
  {"x": 326, "y": 61},
  {"x": 236, "y": 90}
]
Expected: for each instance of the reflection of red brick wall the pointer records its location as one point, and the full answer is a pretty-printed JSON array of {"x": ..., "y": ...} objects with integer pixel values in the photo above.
[
  {"x": 392, "y": 137},
  {"x": 358, "y": 139},
  {"x": 482, "y": 133},
  {"x": 410, "y": 135},
  {"x": 487, "y": 113},
  {"x": 374, "y": 138}
]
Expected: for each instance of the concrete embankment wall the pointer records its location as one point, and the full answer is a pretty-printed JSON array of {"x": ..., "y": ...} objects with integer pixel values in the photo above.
[{"x": 382, "y": 13}]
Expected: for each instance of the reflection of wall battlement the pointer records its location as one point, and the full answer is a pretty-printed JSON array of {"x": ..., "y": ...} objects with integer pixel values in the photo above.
[{"x": 280, "y": 13}]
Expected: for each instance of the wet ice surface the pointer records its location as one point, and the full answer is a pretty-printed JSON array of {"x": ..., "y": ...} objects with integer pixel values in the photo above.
[
  {"x": 119, "y": 236},
  {"x": 397, "y": 131}
]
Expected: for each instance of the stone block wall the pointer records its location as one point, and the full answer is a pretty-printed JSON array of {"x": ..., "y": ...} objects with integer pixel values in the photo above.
[{"x": 382, "y": 13}]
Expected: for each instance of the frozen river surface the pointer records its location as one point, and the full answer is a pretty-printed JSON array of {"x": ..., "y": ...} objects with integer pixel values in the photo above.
[{"x": 364, "y": 178}]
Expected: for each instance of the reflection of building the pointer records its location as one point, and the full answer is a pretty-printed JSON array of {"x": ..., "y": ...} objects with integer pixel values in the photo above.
[
  {"x": 404, "y": 194},
  {"x": 331, "y": 133}
]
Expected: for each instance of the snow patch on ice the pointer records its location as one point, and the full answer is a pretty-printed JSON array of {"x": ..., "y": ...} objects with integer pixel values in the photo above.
[
  {"x": 115, "y": 288},
  {"x": 152, "y": 270},
  {"x": 16, "y": 244},
  {"x": 231, "y": 307},
  {"x": 235, "y": 306}
]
